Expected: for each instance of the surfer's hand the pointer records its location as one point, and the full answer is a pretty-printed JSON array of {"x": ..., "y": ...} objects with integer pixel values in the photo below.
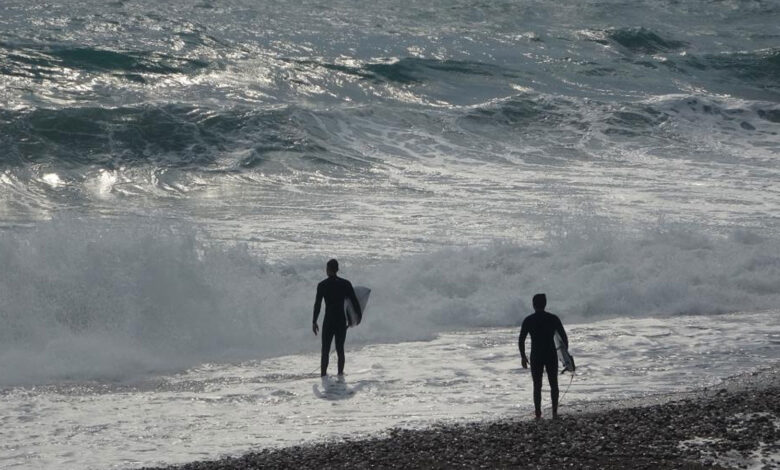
[
  {"x": 524, "y": 361},
  {"x": 315, "y": 328}
]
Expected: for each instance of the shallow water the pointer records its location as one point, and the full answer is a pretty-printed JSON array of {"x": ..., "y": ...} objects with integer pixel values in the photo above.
[
  {"x": 173, "y": 176},
  {"x": 227, "y": 409}
]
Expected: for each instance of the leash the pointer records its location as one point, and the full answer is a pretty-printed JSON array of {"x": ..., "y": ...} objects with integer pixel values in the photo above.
[
  {"x": 318, "y": 367},
  {"x": 563, "y": 395},
  {"x": 560, "y": 400}
]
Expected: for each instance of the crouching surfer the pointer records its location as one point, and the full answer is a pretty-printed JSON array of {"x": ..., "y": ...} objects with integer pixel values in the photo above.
[
  {"x": 335, "y": 291},
  {"x": 542, "y": 327}
]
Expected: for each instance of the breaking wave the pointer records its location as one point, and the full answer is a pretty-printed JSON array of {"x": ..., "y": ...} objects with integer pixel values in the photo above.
[
  {"x": 181, "y": 136},
  {"x": 392, "y": 132},
  {"x": 100, "y": 300}
]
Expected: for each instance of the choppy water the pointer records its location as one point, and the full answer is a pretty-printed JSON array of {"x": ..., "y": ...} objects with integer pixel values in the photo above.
[
  {"x": 388, "y": 129},
  {"x": 173, "y": 175}
]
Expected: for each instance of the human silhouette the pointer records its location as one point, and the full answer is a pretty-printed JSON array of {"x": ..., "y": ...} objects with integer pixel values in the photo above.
[
  {"x": 335, "y": 291},
  {"x": 542, "y": 325}
]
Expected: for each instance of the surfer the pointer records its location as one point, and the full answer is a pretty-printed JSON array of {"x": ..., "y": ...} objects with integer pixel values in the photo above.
[
  {"x": 334, "y": 290},
  {"x": 542, "y": 327}
]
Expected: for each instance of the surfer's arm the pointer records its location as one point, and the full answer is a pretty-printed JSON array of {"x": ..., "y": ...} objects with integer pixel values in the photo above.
[
  {"x": 521, "y": 341},
  {"x": 317, "y": 305}
]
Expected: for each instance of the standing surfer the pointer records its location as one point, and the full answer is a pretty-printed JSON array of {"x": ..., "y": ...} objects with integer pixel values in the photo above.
[
  {"x": 542, "y": 327},
  {"x": 335, "y": 291}
]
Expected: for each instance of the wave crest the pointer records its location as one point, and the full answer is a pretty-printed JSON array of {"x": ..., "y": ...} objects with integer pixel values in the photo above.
[
  {"x": 758, "y": 67},
  {"x": 634, "y": 40},
  {"x": 643, "y": 41},
  {"x": 165, "y": 136},
  {"x": 44, "y": 61}
]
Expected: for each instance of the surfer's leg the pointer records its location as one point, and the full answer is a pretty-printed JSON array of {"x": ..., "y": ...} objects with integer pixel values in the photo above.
[
  {"x": 537, "y": 369},
  {"x": 552, "y": 377},
  {"x": 327, "y": 338},
  {"x": 341, "y": 335}
]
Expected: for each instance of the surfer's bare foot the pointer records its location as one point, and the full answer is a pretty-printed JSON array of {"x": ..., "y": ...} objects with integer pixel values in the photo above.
[
  {"x": 555, "y": 416},
  {"x": 538, "y": 415}
]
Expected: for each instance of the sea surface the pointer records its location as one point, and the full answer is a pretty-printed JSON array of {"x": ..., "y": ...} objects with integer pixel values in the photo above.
[{"x": 174, "y": 175}]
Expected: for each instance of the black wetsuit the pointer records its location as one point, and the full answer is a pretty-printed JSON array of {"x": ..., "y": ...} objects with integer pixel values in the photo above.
[
  {"x": 334, "y": 290},
  {"x": 542, "y": 327}
]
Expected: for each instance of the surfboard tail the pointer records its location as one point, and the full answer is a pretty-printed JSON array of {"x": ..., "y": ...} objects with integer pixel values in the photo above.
[{"x": 569, "y": 366}]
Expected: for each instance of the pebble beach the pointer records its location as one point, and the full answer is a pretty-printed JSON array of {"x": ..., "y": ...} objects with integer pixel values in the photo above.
[{"x": 734, "y": 425}]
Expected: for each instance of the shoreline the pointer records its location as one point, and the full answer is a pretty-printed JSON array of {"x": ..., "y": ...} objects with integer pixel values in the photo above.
[{"x": 734, "y": 423}]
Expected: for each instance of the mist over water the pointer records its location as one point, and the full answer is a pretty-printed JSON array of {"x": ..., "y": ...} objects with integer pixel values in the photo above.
[{"x": 174, "y": 175}]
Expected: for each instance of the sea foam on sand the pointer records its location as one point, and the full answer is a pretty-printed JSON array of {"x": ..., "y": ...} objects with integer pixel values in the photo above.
[{"x": 227, "y": 409}]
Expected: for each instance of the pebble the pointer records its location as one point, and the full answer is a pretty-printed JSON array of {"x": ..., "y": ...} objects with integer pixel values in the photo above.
[{"x": 638, "y": 438}]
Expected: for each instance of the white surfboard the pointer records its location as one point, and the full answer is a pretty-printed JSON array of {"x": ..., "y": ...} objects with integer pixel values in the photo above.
[
  {"x": 362, "y": 293},
  {"x": 563, "y": 354}
]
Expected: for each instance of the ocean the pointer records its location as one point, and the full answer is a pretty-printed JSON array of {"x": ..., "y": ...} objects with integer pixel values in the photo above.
[{"x": 174, "y": 176}]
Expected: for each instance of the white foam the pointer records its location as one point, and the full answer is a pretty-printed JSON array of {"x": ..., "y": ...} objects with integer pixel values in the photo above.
[
  {"x": 765, "y": 455},
  {"x": 113, "y": 300},
  {"x": 219, "y": 409}
]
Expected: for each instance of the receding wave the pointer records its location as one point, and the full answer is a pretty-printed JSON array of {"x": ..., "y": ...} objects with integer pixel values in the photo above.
[{"x": 112, "y": 300}]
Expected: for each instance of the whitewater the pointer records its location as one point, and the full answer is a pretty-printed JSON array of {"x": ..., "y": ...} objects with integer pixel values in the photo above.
[{"x": 174, "y": 176}]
